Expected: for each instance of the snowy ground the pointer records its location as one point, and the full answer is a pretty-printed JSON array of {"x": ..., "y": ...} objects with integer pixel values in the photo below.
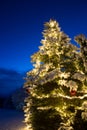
[{"x": 11, "y": 120}]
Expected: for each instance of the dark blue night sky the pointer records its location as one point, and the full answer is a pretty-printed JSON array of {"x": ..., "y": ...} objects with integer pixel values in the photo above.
[{"x": 21, "y": 25}]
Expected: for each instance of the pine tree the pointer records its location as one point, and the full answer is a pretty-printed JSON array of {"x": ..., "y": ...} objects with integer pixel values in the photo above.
[
  {"x": 80, "y": 121},
  {"x": 55, "y": 84},
  {"x": 82, "y": 41}
]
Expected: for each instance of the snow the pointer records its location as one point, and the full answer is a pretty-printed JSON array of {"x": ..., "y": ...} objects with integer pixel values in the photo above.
[{"x": 11, "y": 120}]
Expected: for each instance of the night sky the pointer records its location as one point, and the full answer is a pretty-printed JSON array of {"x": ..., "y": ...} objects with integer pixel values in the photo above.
[{"x": 21, "y": 26}]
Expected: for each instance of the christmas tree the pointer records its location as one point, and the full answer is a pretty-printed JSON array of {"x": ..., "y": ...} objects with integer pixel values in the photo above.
[
  {"x": 81, "y": 79},
  {"x": 57, "y": 83}
]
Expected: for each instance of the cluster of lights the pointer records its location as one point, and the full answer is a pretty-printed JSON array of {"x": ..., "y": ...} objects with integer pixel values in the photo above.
[{"x": 47, "y": 72}]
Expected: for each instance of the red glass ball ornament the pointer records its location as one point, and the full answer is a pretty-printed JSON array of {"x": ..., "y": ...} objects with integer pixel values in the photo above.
[
  {"x": 73, "y": 92},
  {"x": 28, "y": 90}
]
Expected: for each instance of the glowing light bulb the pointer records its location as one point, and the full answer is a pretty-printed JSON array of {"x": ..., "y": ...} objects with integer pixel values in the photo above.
[{"x": 52, "y": 24}]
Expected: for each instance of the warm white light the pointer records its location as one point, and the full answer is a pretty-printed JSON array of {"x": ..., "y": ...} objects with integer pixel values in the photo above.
[
  {"x": 22, "y": 128},
  {"x": 52, "y": 24}
]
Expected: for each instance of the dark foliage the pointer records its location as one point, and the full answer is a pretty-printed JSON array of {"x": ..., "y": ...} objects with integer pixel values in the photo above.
[
  {"x": 79, "y": 124},
  {"x": 47, "y": 120}
]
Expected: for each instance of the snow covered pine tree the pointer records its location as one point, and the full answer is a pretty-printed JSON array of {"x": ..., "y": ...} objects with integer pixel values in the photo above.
[{"x": 56, "y": 84}]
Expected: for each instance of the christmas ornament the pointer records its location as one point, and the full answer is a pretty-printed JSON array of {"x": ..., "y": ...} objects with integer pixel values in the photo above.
[
  {"x": 27, "y": 90},
  {"x": 73, "y": 92}
]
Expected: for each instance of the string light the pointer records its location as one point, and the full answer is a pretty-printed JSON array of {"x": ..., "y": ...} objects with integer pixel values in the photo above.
[{"x": 57, "y": 76}]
